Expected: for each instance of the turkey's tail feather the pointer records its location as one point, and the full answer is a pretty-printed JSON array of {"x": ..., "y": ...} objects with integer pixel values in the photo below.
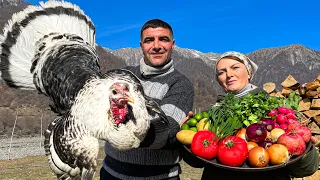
[
  {"x": 21, "y": 35},
  {"x": 72, "y": 153}
]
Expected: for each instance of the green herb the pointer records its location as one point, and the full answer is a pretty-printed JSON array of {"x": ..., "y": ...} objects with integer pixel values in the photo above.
[
  {"x": 222, "y": 123},
  {"x": 292, "y": 101},
  {"x": 248, "y": 109}
]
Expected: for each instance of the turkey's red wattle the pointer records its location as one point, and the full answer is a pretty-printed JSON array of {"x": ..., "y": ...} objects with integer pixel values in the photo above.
[{"x": 119, "y": 113}]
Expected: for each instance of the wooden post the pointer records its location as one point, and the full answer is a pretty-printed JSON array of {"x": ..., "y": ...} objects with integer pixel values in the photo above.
[{"x": 14, "y": 126}]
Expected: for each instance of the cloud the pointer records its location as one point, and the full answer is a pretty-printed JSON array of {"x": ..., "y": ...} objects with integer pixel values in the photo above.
[{"x": 117, "y": 29}]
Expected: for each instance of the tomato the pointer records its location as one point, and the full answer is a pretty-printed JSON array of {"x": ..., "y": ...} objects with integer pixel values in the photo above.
[
  {"x": 232, "y": 151},
  {"x": 204, "y": 144}
]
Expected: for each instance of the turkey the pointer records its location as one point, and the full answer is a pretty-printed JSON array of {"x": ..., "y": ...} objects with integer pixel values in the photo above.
[{"x": 51, "y": 48}]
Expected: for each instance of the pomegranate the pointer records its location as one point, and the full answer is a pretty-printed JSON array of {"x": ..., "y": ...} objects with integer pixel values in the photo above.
[
  {"x": 304, "y": 132},
  {"x": 290, "y": 121},
  {"x": 293, "y": 125},
  {"x": 294, "y": 143}
]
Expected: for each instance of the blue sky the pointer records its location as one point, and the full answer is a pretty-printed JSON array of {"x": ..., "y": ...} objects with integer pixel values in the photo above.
[{"x": 208, "y": 25}]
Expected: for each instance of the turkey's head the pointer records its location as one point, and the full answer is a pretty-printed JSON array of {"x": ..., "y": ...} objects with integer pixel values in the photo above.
[{"x": 119, "y": 98}]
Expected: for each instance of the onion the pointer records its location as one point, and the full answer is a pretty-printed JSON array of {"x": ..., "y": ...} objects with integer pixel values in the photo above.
[
  {"x": 276, "y": 133},
  {"x": 258, "y": 157},
  {"x": 278, "y": 154},
  {"x": 256, "y": 132},
  {"x": 241, "y": 133},
  {"x": 268, "y": 123},
  {"x": 265, "y": 144},
  {"x": 251, "y": 145}
]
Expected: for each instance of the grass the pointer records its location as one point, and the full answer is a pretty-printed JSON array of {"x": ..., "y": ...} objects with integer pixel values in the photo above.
[{"x": 36, "y": 168}]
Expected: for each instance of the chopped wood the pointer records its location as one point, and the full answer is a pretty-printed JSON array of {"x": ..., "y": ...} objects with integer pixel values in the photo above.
[
  {"x": 312, "y": 85},
  {"x": 286, "y": 91},
  {"x": 302, "y": 91},
  {"x": 318, "y": 90},
  {"x": 304, "y": 104},
  {"x": 289, "y": 81},
  {"x": 269, "y": 87},
  {"x": 311, "y": 113},
  {"x": 318, "y": 78},
  {"x": 276, "y": 94},
  {"x": 314, "y": 128},
  {"x": 295, "y": 87},
  {"x": 317, "y": 119},
  {"x": 315, "y": 104},
  {"x": 311, "y": 94}
]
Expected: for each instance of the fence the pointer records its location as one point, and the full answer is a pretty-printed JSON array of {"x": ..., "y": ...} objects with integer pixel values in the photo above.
[{"x": 17, "y": 147}]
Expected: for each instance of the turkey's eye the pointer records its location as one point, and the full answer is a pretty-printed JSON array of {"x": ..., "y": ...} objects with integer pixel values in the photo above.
[{"x": 114, "y": 92}]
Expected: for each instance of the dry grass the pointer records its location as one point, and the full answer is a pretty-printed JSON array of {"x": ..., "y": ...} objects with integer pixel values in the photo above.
[{"x": 36, "y": 168}]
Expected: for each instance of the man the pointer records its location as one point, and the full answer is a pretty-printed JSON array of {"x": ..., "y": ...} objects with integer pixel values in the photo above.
[{"x": 158, "y": 155}]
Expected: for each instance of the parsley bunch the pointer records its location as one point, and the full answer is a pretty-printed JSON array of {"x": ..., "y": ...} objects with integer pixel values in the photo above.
[{"x": 248, "y": 109}]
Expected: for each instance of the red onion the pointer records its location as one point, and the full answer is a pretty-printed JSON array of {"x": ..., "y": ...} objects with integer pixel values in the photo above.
[
  {"x": 268, "y": 123},
  {"x": 265, "y": 144},
  {"x": 256, "y": 132}
]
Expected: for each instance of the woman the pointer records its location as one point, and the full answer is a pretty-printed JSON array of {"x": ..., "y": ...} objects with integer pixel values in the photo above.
[{"x": 234, "y": 72}]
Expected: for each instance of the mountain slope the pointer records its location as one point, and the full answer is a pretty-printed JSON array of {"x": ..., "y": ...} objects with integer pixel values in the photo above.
[{"x": 275, "y": 64}]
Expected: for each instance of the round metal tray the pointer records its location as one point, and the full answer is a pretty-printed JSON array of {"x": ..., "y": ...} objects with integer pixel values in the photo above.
[{"x": 246, "y": 167}]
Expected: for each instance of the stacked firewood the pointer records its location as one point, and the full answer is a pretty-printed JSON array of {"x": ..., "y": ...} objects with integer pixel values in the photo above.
[{"x": 309, "y": 93}]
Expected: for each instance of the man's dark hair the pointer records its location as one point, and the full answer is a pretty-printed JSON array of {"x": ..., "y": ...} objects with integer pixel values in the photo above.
[{"x": 155, "y": 23}]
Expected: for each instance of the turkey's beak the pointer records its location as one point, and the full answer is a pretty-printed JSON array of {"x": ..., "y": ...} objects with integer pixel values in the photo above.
[{"x": 130, "y": 99}]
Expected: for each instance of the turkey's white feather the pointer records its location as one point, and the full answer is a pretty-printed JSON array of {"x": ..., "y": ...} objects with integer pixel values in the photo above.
[
  {"x": 25, "y": 46},
  {"x": 91, "y": 108}
]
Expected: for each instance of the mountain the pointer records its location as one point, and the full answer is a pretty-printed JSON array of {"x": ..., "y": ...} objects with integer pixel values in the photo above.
[
  {"x": 275, "y": 64},
  {"x": 29, "y": 109},
  {"x": 197, "y": 66}
]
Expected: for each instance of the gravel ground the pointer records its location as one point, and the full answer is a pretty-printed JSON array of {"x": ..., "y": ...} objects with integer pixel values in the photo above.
[{"x": 21, "y": 147}]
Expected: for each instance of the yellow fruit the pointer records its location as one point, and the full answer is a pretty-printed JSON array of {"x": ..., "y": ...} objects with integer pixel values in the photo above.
[
  {"x": 202, "y": 125},
  {"x": 185, "y": 136}
]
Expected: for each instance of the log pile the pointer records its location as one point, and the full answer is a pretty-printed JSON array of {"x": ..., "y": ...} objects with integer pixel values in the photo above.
[{"x": 309, "y": 104}]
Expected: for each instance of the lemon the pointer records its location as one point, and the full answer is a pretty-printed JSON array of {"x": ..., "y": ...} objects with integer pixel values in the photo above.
[
  {"x": 185, "y": 127},
  {"x": 194, "y": 129},
  {"x": 192, "y": 122},
  {"x": 198, "y": 116}
]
